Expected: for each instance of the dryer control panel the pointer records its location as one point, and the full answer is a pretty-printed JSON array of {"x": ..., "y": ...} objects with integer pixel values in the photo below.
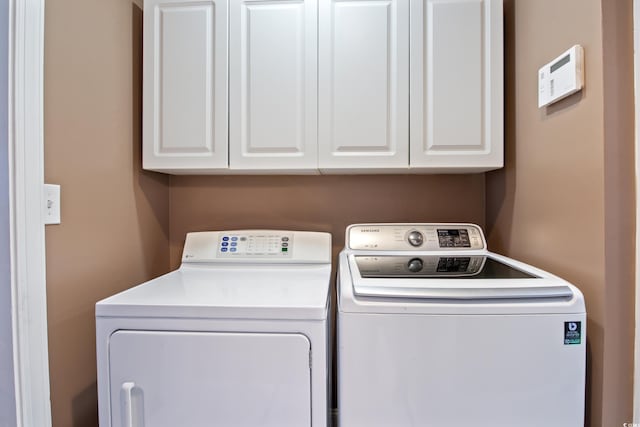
[
  {"x": 415, "y": 237},
  {"x": 262, "y": 246},
  {"x": 255, "y": 244}
]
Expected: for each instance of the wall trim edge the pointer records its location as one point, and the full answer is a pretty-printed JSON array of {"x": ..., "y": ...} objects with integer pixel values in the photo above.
[
  {"x": 636, "y": 61},
  {"x": 26, "y": 171}
]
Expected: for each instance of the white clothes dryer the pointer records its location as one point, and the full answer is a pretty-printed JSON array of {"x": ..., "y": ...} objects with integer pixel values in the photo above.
[
  {"x": 237, "y": 336},
  {"x": 436, "y": 331}
]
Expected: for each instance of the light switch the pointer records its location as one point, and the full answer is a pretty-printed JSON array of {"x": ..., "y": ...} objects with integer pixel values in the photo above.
[{"x": 51, "y": 204}]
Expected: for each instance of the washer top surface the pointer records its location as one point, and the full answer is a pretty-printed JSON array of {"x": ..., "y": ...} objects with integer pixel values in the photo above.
[
  {"x": 252, "y": 285},
  {"x": 444, "y": 268}
]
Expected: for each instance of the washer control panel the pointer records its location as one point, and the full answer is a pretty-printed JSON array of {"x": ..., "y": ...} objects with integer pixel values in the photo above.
[
  {"x": 421, "y": 237},
  {"x": 415, "y": 238},
  {"x": 258, "y": 244}
]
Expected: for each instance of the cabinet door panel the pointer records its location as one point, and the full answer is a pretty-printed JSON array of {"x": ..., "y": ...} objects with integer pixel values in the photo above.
[
  {"x": 185, "y": 78},
  {"x": 273, "y": 84},
  {"x": 363, "y": 117},
  {"x": 456, "y": 84}
]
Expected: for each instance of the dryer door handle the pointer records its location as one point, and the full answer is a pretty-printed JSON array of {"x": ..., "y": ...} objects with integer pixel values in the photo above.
[{"x": 132, "y": 411}]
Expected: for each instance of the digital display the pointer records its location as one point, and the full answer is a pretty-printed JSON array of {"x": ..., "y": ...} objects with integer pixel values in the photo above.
[
  {"x": 560, "y": 63},
  {"x": 454, "y": 238},
  {"x": 453, "y": 265}
]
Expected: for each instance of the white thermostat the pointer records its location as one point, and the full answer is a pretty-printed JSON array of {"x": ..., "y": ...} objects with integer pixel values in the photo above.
[{"x": 561, "y": 77}]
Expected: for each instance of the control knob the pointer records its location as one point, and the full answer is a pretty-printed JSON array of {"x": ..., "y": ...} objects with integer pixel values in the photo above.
[
  {"x": 415, "y": 238},
  {"x": 415, "y": 265}
]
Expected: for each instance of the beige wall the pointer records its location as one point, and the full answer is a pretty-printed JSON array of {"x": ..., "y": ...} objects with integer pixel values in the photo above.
[
  {"x": 114, "y": 230},
  {"x": 559, "y": 192},
  {"x": 619, "y": 168},
  {"x": 319, "y": 203},
  {"x": 564, "y": 200},
  {"x": 115, "y": 218}
]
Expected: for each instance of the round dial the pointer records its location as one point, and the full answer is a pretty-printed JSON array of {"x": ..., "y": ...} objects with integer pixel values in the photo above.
[
  {"x": 415, "y": 265},
  {"x": 415, "y": 238}
]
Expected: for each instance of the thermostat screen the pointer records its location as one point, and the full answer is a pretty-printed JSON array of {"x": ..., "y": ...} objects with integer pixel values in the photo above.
[
  {"x": 454, "y": 238},
  {"x": 560, "y": 63}
]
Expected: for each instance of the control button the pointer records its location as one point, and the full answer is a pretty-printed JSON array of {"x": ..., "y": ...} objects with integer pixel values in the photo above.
[
  {"x": 225, "y": 243},
  {"x": 233, "y": 249},
  {"x": 415, "y": 265},
  {"x": 234, "y": 238},
  {"x": 243, "y": 239},
  {"x": 223, "y": 249},
  {"x": 234, "y": 243},
  {"x": 415, "y": 238},
  {"x": 285, "y": 239},
  {"x": 284, "y": 245},
  {"x": 225, "y": 238}
]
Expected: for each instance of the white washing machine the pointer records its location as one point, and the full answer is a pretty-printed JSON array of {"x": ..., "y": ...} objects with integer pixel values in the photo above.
[
  {"x": 237, "y": 336},
  {"x": 436, "y": 331}
]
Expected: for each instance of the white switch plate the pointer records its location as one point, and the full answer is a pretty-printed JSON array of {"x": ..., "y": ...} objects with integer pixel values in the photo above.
[{"x": 51, "y": 204}]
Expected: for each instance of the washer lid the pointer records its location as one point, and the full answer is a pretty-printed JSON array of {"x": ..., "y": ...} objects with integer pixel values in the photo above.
[
  {"x": 445, "y": 277},
  {"x": 227, "y": 292},
  {"x": 437, "y": 266}
]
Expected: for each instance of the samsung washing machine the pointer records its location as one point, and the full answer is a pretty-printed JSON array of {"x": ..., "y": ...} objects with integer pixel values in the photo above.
[
  {"x": 436, "y": 331},
  {"x": 237, "y": 336}
]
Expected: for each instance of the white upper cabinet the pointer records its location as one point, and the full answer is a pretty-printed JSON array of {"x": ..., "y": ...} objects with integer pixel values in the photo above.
[
  {"x": 363, "y": 82},
  {"x": 273, "y": 85},
  {"x": 185, "y": 86},
  {"x": 330, "y": 86},
  {"x": 456, "y": 85}
]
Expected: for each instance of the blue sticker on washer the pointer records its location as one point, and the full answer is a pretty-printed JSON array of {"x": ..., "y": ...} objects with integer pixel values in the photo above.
[{"x": 572, "y": 333}]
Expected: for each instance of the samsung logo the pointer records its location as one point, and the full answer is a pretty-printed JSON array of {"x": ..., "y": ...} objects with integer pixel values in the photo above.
[{"x": 369, "y": 230}]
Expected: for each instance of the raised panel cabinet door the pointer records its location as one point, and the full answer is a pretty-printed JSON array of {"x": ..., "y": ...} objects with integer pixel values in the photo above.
[
  {"x": 456, "y": 85},
  {"x": 273, "y": 85},
  {"x": 363, "y": 93},
  {"x": 185, "y": 85}
]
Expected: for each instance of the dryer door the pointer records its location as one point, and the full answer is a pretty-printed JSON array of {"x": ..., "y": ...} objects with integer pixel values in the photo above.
[{"x": 169, "y": 379}]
